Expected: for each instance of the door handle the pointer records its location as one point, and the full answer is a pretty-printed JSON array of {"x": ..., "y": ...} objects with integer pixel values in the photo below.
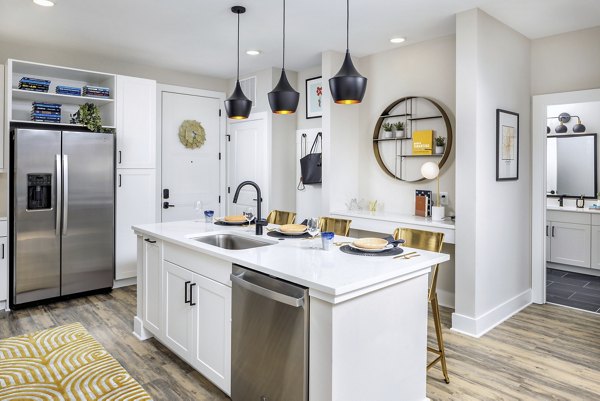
[
  {"x": 119, "y": 157},
  {"x": 192, "y": 303},
  {"x": 167, "y": 205},
  {"x": 65, "y": 194},
  {"x": 265, "y": 292},
  {"x": 2, "y": 251},
  {"x": 553, "y": 231},
  {"x": 58, "y": 194},
  {"x": 185, "y": 297},
  {"x": 149, "y": 241}
]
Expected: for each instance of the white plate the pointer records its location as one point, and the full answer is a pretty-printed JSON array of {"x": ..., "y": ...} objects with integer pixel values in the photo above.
[
  {"x": 388, "y": 246},
  {"x": 291, "y": 233}
]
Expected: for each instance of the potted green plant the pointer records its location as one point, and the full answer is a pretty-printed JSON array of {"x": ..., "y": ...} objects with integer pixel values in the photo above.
[
  {"x": 387, "y": 130},
  {"x": 399, "y": 128},
  {"x": 89, "y": 116},
  {"x": 440, "y": 143}
]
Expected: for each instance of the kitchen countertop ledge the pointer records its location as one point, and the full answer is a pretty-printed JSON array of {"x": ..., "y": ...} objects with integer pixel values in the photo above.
[{"x": 332, "y": 276}]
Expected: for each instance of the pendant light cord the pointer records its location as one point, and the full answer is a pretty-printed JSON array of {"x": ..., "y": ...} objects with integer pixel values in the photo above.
[
  {"x": 283, "y": 61},
  {"x": 347, "y": 25},
  {"x": 238, "y": 48}
]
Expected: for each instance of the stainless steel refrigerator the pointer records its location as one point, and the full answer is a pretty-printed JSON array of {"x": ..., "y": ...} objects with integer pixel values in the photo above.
[{"x": 62, "y": 213}]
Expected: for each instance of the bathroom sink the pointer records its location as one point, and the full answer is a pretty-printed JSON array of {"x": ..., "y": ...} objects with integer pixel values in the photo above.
[{"x": 231, "y": 241}]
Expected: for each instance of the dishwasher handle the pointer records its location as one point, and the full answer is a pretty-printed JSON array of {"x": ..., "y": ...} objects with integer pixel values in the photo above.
[{"x": 273, "y": 295}]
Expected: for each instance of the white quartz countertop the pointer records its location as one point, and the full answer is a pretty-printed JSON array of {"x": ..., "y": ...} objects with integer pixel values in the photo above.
[
  {"x": 397, "y": 217},
  {"x": 572, "y": 209},
  {"x": 330, "y": 275}
]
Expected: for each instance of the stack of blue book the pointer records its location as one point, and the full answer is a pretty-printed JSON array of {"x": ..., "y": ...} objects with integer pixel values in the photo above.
[
  {"x": 96, "y": 91},
  {"x": 68, "y": 90},
  {"x": 34, "y": 84},
  {"x": 45, "y": 112}
]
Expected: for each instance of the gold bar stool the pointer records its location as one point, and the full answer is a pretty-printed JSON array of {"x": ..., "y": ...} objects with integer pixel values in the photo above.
[
  {"x": 337, "y": 226},
  {"x": 281, "y": 217},
  {"x": 429, "y": 241}
]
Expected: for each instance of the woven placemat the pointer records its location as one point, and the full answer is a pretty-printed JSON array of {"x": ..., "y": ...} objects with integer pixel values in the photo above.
[
  {"x": 277, "y": 234},
  {"x": 390, "y": 252}
]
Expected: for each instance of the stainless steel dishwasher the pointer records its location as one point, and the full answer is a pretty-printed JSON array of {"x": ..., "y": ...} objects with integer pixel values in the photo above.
[{"x": 269, "y": 350}]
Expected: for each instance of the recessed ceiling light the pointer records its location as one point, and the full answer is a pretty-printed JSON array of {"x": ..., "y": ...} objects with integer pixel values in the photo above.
[
  {"x": 397, "y": 40},
  {"x": 253, "y": 52},
  {"x": 44, "y": 3}
]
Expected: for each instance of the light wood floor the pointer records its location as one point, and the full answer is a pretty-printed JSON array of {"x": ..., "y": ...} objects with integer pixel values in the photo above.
[{"x": 546, "y": 352}]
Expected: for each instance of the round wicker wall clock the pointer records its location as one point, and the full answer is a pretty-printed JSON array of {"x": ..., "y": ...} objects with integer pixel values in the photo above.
[{"x": 192, "y": 134}]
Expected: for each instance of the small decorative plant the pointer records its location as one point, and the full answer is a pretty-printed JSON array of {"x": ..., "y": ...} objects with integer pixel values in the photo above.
[
  {"x": 399, "y": 126},
  {"x": 440, "y": 141},
  {"x": 387, "y": 127},
  {"x": 89, "y": 116}
]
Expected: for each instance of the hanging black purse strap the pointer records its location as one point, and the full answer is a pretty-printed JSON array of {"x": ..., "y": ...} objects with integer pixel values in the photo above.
[
  {"x": 301, "y": 186},
  {"x": 314, "y": 145}
]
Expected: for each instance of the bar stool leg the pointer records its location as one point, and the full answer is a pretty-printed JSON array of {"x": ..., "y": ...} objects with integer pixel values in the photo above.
[{"x": 435, "y": 309}]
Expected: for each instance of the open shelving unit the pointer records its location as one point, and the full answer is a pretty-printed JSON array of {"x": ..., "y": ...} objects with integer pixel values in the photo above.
[
  {"x": 19, "y": 101},
  {"x": 394, "y": 155}
]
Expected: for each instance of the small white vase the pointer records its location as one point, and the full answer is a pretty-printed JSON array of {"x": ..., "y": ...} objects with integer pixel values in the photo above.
[
  {"x": 400, "y": 134},
  {"x": 388, "y": 134},
  {"x": 438, "y": 213},
  {"x": 439, "y": 150}
]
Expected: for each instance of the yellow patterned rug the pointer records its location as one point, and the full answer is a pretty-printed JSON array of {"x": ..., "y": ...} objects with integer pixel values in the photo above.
[{"x": 63, "y": 363}]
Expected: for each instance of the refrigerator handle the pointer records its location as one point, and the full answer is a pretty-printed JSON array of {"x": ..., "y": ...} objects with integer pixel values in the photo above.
[
  {"x": 58, "y": 194},
  {"x": 66, "y": 194}
]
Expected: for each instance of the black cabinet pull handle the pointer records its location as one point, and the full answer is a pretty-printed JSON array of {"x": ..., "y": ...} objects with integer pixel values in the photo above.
[
  {"x": 2, "y": 251},
  {"x": 119, "y": 157},
  {"x": 192, "y": 303},
  {"x": 150, "y": 241},
  {"x": 553, "y": 231},
  {"x": 185, "y": 298},
  {"x": 119, "y": 180},
  {"x": 546, "y": 231}
]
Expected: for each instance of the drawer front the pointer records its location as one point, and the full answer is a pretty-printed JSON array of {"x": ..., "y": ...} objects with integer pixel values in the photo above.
[
  {"x": 208, "y": 266},
  {"x": 596, "y": 219},
  {"x": 4, "y": 228},
  {"x": 569, "y": 217}
]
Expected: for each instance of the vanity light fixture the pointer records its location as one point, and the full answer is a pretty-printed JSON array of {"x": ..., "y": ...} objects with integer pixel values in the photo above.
[
  {"x": 237, "y": 105},
  {"x": 44, "y": 3},
  {"x": 283, "y": 99},
  {"x": 348, "y": 86},
  {"x": 397, "y": 40},
  {"x": 579, "y": 127},
  {"x": 560, "y": 128},
  {"x": 253, "y": 52}
]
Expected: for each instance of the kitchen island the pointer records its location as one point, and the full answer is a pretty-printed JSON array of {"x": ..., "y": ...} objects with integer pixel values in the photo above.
[{"x": 367, "y": 322}]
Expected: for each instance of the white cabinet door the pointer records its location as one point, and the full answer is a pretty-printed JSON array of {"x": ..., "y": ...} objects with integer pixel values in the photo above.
[
  {"x": 152, "y": 286},
  {"x": 212, "y": 352},
  {"x": 179, "y": 312},
  {"x": 135, "y": 205},
  {"x": 570, "y": 244},
  {"x": 3, "y": 139},
  {"x": 548, "y": 240},
  {"x": 3, "y": 269},
  {"x": 595, "y": 247},
  {"x": 136, "y": 122}
]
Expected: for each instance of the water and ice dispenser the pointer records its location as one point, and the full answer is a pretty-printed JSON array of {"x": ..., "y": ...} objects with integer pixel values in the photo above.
[{"x": 39, "y": 191}]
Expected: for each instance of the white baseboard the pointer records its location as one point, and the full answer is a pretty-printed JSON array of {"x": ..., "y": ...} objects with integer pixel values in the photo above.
[
  {"x": 477, "y": 327},
  {"x": 4, "y": 306},
  {"x": 139, "y": 331},
  {"x": 445, "y": 298},
  {"x": 125, "y": 282}
]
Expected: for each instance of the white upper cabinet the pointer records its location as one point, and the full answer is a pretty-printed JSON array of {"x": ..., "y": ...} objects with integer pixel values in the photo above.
[{"x": 136, "y": 122}]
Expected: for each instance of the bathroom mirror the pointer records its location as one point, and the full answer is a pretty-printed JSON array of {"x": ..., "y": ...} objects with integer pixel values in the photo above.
[{"x": 572, "y": 165}]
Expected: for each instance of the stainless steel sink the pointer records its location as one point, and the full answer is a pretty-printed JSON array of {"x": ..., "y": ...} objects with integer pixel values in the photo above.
[{"x": 231, "y": 241}]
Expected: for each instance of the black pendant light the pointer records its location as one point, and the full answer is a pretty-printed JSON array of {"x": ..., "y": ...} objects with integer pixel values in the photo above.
[
  {"x": 237, "y": 105},
  {"x": 348, "y": 86},
  {"x": 283, "y": 99},
  {"x": 579, "y": 127}
]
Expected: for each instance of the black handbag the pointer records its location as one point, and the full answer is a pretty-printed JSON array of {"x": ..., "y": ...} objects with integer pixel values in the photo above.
[{"x": 311, "y": 164}]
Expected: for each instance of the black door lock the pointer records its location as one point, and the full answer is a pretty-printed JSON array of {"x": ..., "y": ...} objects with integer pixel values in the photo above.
[
  {"x": 165, "y": 193},
  {"x": 166, "y": 205}
]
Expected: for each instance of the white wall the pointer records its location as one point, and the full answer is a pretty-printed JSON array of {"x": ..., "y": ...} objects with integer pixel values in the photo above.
[
  {"x": 493, "y": 228},
  {"x": 566, "y": 62},
  {"x": 91, "y": 61}
]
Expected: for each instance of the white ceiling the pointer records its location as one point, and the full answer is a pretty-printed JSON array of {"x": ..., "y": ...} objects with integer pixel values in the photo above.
[{"x": 198, "y": 36}]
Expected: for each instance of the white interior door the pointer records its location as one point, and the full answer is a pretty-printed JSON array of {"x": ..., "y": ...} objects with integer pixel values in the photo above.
[
  {"x": 189, "y": 175},
  {"x": 248, "y": 155}
]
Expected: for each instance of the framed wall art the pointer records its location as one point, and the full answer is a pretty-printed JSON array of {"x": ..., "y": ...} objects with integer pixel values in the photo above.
[
  {"x": 507, "y": 145},
  {"x": 314, "y": 97}
]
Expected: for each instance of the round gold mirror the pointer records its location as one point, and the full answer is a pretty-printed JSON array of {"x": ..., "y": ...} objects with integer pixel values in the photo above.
[{"x": 409, "y": 132}]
